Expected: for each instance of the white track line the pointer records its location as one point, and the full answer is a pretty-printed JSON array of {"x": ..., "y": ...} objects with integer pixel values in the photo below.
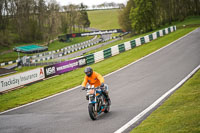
[
  {"x": 104, "y": 76},
  {"x": 140, "y": 115}
]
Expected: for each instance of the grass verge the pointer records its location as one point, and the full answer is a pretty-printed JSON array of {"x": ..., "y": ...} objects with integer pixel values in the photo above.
[
  {"x": 179, "y": 114},
  {"x": 68, "y": 80}
]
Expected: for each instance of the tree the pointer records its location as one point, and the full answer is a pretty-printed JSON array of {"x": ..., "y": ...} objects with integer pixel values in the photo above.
[
  {"x": 124, "y": 20},
  {"x": 145, "y": 15}
]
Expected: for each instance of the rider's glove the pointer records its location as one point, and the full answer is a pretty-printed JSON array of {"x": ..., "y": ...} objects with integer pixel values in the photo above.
[
  {"x": 83, "y": 88},
  {"x": 102, "y": 85}
]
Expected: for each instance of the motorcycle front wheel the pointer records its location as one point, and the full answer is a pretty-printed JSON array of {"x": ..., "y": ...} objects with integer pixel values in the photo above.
[
  {"x": 107, "y": 108},
  {"x": 92, "y": 114}
]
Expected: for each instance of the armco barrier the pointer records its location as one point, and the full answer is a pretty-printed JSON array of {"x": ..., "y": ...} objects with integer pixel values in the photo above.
[
  {"x": 169, "y": 30},
  {"x": 146, "y": 39},
  {"x": 166, "y": 31},
  {"x": 142, "y": 40},
  {"x": 121, "y": 48},
  {"x": 154, "y": 36},
  {"x": 107, "y": 53},
  {"x": 98, "y": 56},
  {"x": 158, "y": 34},
  {"x": 138, "y": 42},
  {"x": 133, "y": 44},
  {"x": 114, "y": 50},
  {"x": 150, "y": 37},
  {"x": 89, "y": 59},
  {"x": 127, "y": 45},
  {"x": 161, "y": 32}
]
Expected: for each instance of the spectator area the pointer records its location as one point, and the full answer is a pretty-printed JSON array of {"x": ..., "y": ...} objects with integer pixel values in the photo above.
[{"x": 29, "y": 49}]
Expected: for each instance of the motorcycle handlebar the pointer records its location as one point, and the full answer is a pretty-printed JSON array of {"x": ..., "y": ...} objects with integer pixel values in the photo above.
[{"x": 85, "y": 88}]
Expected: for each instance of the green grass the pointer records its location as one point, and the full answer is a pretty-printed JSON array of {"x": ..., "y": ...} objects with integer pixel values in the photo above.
[
  {"x": 179, "y": 114},
  {"x": 68, "y": 80},
  {"x": 104, "y": 19},
  {"x": 192, "y": 20}
]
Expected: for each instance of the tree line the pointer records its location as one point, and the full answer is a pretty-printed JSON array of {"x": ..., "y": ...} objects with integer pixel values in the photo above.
[
  {"x": 145, "y": 15},
  {"x": 109, "y": 5},
  {"x": 38, "y": 20}
]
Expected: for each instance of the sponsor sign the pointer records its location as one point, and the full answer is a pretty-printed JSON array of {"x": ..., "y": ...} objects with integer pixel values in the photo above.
[
  {"x": 101, "y": 32},
  {"x": 67, "y": 66},
  {"x": 82, "y": 61},
  {"x": 49, "y": 71},
  {"x": 16, "y": 80},
  {"x": 64, "y": 67}
]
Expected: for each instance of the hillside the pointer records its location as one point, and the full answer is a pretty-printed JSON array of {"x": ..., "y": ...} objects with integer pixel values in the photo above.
[{"x": 104, "y": 19}]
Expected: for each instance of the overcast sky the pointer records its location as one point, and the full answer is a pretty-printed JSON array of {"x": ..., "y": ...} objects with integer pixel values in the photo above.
[{"x": 88, "y": 2}]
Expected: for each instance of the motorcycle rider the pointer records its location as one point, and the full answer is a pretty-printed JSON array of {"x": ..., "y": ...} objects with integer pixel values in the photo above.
[{"x": 96, "y": 79}]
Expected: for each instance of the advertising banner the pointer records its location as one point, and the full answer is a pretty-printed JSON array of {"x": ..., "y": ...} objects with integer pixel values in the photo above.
[
  {"x": 49, "y": 71},
  {"x": 66, "y": 66},
  {"x": 82, "y": 61},
  {"x": 70, "y": 65},
  {"x": 93, "y": 33},
  {"x": 17, "y": 80},
  {"x": 102, "y": 32}
]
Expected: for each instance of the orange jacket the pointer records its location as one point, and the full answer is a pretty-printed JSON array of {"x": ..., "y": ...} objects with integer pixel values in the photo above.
[{"x": 95, "y": 79}]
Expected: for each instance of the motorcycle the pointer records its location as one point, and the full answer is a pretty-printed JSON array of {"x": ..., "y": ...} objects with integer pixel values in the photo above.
[{"x": 97, "y": 102}]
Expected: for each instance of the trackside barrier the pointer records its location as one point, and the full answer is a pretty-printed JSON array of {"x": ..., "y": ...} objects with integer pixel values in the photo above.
[
  {"x": 89, "y": 59},
  {"x": 138, "y": 42},
  {"x": 154, "y": 36},
  {"x": 142, "y": 40},
  {"x": 166, "y": 30},
  {"x": 158, "y": 34},
  {"x": 21, "y": 79},
  {"x": 164, "y": 33},
  {"x": 114, "y": 50},
  {"x": 107, "y": 53},
  {"x": 31, "y": 76},
  {"x": 161, "y": 32},
  {"x": 133, "y": 44},
  {"x": 150, "y": 37},
  {"x": 146, "y": 39},
  {"x": 121, "y": 48},
  {"x": 98, "y": 56},
  {"x": 127, "y": 45}
]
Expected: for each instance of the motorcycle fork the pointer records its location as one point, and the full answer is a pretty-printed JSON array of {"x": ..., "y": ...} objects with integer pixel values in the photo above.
[{"x": 95, "y": 106}]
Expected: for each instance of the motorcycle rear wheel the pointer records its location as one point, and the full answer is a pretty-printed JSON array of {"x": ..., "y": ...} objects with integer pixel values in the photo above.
[{"x": 92, "y": 114}]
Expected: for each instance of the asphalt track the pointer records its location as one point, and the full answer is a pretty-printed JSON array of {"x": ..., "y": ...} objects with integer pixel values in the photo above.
[{"x": 132, "y": 90}]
